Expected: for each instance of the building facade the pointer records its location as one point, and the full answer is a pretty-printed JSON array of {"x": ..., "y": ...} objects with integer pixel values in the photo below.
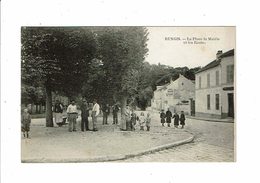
[
  {"x": 214, "y": 92},
  {"x": 177, "y": 96}
]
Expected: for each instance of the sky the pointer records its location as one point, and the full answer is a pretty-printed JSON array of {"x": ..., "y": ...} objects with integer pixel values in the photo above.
[{"x": 166, "y": 48}]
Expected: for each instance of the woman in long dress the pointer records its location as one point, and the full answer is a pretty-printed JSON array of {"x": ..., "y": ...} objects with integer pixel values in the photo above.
[
  {"x": 58, "y": 109},
  {"x": 126, "y": 118}
]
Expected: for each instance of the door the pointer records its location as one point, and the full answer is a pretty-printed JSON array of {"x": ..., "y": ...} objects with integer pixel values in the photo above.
[
  {"x": 192, "y": 107},
  {"x": 230, "y": 105}
]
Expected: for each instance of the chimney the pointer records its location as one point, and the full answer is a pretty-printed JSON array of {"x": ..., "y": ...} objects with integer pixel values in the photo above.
[{"x": 218, "y": 54}]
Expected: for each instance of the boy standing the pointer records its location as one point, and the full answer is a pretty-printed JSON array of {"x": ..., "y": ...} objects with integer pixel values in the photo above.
[{"x": 26, "y": 121}]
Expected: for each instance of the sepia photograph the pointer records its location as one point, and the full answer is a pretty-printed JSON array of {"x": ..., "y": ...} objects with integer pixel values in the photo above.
[{"x": 128, "y": 94}]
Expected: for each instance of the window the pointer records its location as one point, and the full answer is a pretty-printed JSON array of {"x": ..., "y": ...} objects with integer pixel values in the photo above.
[
  {"x": 200, "y": 82},
  {"x": 217, "y": 101},
  {"x": 217, "y": 78},
  {"x": 208, "y": 102},
  {"x": 230, "y": 73},
  {"x": 208, "y": 80}
]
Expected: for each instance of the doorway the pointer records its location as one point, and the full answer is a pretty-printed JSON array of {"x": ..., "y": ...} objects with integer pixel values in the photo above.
[{"x": 231, "y": 105}]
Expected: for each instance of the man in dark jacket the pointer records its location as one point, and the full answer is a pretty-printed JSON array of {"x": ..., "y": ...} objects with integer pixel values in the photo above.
[
  {"x": 84, "y": 116},
  {"x": 168, "y": 117},
  {"x": 106, "y": 111},
  {"x": 115, "y": 111}
]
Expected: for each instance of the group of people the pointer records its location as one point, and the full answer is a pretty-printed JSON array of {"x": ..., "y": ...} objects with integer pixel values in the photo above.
[
  {"x": 85, "y": 109},
  {"x": 132, "y": 120},
  {"x": 178, "y": 120}
]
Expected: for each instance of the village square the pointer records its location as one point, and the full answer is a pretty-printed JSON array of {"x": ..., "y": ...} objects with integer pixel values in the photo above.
[{"x": 90, "y": 94}]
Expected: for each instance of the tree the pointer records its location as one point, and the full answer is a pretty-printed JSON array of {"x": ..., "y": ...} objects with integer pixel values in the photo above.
[
  {"x": 55, "y": 58},
  {"x": 122, "y": 51}
]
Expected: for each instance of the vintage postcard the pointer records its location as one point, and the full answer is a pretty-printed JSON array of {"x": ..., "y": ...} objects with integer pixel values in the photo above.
[{"x": 128, "y": 94}]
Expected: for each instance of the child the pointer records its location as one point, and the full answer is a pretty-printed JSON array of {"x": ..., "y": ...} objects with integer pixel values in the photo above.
[
  {"x": 182, "y": 119},
  {"x": 142, "y": 121},
  {"x": 26, "y": 121},
  {"x": 148, "y": 122},
  {"x": 168, "y": 117},
  {"x": 162, "y": 116},
  {"x": 133, "y": 121},
  {"x": 176, "y": 119}
]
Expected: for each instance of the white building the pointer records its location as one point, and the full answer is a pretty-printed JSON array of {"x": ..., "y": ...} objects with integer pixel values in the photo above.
[
  {"x": 214, "y": 94},
  {"x": 176, "y": 95}
]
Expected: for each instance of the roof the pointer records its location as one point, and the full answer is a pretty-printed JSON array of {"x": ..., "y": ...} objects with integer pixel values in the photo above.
[
  {"x": 162, "y": 87},
  {"x": 216, "y": 62}
]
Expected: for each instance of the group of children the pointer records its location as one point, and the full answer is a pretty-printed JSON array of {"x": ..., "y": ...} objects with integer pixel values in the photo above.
[
  {"x": 168, "y": 116},
  {"x": 142, "y": 121}
]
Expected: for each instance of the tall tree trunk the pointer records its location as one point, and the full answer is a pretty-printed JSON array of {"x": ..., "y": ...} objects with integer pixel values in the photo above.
[
  {"x": 49, "y": 117},
  {"x": 40, "y": 108}
]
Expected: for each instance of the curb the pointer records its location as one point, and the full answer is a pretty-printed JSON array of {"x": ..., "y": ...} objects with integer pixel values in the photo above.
[
  {"x": 212, "y": 120},
  {"x": 111, "y": 158}
]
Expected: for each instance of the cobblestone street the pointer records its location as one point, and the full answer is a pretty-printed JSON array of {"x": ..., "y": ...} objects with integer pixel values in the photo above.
[{"x": 214, "y": 142}]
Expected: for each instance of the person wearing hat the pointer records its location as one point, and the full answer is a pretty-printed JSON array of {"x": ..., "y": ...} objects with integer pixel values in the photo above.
[
  {"x": 72, "y": 112},
  {"x": 115, "y": 110},
  {"x": 95, "y": 113},
  {"x": 162, "y": 116},
  {"x": 106, "y": 111},
  {"x": 84, "y": 115}
]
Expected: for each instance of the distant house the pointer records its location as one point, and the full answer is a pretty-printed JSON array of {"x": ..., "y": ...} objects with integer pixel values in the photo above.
[
  {"x": 214, "y": 92},
  {"x": 176, "y": 95}
]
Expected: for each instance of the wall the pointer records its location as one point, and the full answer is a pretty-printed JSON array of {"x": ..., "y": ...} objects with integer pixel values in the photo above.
[
  {"x": 183, "y": 89},
  {"x": 201, "y": 93},
  {"x": 224, "y": 99},
  {"x": 212, "y": 90}
]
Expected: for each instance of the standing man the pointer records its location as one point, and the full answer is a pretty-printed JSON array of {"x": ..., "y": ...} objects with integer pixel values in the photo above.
[
  {"x": 115, "y": 116},
  {"x": 72, "y": 116},
  {"x": 95, "y": 113},
  {"x": 106, "y": 111},
  {"x": 84, "y": 115}
]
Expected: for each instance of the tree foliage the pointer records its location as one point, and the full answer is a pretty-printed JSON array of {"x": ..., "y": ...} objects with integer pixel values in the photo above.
[
  {"x": 57, "y": 59},
  {"x": 122, "y": 51}
]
